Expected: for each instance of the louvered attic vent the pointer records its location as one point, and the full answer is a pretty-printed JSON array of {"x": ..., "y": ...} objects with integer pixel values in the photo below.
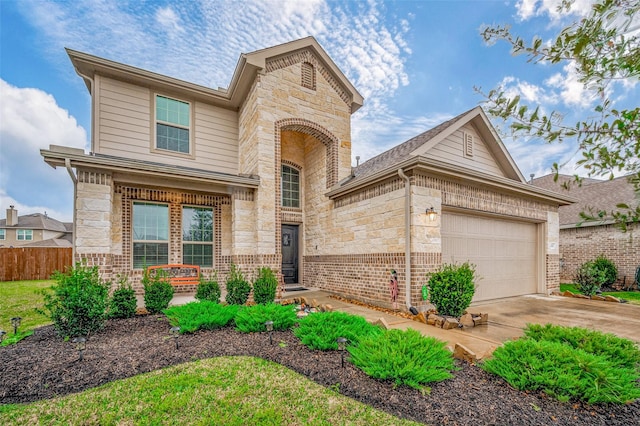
[
  {"x": 308, "y": 76},
  {"x": 468, "y": 144}
]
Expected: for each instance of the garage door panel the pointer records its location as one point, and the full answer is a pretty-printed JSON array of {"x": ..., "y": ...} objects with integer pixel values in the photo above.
[{"x": 504, "y": 252}]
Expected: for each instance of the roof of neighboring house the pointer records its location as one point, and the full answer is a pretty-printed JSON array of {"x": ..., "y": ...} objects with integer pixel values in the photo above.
[
  {"x": 36, "y": 221},
  {"x": 593, "y": 196},
  {"x": 52, "y": 242}
]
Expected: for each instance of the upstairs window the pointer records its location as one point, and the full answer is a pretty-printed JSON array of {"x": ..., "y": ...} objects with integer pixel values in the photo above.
[
  {"x": 308, "y": 76},
  {"x": 173, "y": 121},
  {"x": 150, "y": 234},
  {"x": 197, "y": 236},
  {"x": 24, "y": 234},
  {"x": 290, "y": 178},
  {"x": 3, "y": 234}
]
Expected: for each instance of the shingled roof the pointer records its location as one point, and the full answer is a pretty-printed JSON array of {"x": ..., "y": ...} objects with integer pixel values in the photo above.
[
  {"x": 36, "y": 221},
  {"x": 593, "y": 195}
]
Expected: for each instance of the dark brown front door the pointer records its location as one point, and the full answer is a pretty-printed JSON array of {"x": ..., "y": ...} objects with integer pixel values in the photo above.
[{"x": 290, "y": 254}]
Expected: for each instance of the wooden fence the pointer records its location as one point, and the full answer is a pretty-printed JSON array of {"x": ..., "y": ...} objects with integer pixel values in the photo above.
[{"x": 33, "y": 263}]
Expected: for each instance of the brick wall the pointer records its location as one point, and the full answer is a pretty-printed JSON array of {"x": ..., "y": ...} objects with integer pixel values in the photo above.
[{"x": 579, "y": 245}]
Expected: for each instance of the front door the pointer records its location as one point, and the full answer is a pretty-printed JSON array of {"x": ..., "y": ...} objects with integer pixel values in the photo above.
[{"x": 290, "y": 254}]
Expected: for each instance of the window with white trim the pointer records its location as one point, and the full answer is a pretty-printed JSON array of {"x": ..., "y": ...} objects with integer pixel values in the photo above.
[
  {"x": 173, "y": 122},
  {"x": 24, "y": 234},
  {"x": 3, "y": 234},
  {"x": 197, "y": 236},
  {"x": 150, "y": 234},
  {"x": 290, "y": 181}
]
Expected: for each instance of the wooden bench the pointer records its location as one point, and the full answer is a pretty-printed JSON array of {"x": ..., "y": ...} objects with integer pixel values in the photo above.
[{"x": 178, "y": 274}]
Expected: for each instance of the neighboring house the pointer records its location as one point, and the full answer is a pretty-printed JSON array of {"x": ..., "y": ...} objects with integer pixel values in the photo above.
[
  {"x": 580, "y": 240},
  {"x": 260, "y": 174},
  {"x": 33, "y": 230}
]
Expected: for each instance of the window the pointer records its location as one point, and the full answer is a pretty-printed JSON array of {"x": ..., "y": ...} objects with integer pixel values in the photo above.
[
  {"x": 173, "y": 120},
  {"x": 3, "y": 235},
  {"x": 290, "y": 187},
  {"x": 197, "y": 236},
  {"x": 150, "y": 234},
  {"x": 24, "y": 234},
  {"x": 308, "y": 76}
]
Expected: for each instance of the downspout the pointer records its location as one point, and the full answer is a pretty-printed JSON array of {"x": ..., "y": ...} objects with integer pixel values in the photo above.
[
  {"x": 74, "y": 178},
  {"x": 407, "y": 239}
]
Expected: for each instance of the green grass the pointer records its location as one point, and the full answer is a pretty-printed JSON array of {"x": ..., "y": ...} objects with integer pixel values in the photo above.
[
  {"x": 632, "y": 296},
  {"x": 20, "y": 299},
  {"x": 227, "y": 390}
]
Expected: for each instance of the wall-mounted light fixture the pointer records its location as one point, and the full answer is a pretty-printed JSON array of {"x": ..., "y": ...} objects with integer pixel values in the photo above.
[{"x": 432, "y": 214}]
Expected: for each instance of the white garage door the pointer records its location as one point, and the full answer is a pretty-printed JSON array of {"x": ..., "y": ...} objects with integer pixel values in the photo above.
[{"x": 503, "y": 251}]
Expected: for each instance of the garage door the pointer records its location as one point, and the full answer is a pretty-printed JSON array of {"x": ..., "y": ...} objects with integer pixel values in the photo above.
[{"x": 503, "y": 251}]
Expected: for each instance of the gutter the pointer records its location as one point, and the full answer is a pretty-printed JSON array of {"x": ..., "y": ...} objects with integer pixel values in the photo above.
[
  {"x": 407, "y": 238},
  {"x": 74, "y": 178}
]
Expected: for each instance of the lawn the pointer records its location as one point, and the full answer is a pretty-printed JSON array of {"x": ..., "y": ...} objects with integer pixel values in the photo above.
[
  {"x": 632, "y": 296},
  {"x": 225, "y": 390},
  {"x": 20, "y": 299}
]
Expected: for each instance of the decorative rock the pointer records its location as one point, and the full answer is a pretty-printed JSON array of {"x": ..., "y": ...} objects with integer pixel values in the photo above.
[
  {"x": 467, "y": 320},
  {"x": 567, "y": 293},
  {"x": 320, "y": 308},
  {"x": 314, "y": 303},
  {"x": 439, "y": 321},
  {"x": 580, "y": 296},
  {"x": 556, "y": 293},
  {"x": 303, "y": 300},
  {"x": 382, "y": 323},
  {"x": 450, "y": 323},
  {"x": 286, "y": 302},
  {"x": 431, "y": 319},
  {"x": 328, "y": 308},
  {"x": 611, "y": 299},
  {"x": 421, "y": 317},
  {"x": 597, "y": 297},
  {"x": 463, "y": 353},
  {"x": 296, "y": 300},
  {"x": 479, "y": 319}
]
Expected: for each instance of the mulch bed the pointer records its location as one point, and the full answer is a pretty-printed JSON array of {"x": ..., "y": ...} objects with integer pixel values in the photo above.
[{"x": 44, "y": 366}]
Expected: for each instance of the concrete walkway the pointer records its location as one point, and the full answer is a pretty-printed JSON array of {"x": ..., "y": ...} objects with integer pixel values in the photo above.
[{"x": 507, "y": 318}]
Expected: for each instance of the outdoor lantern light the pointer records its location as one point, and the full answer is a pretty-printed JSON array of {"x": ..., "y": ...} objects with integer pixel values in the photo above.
[
  {"x": 15, "y": 322},
  {"x": 342, "y": 344},
  {"x": 269, "y": 325},
  {"x": 2, "y": 333},
  {"x": 176, "y": 332},
  {"x": 81, "y": 344},
  {"x": 432, "y": 214}
]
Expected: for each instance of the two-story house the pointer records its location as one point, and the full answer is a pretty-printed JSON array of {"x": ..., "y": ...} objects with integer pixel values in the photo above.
[
  {"x": 260, "y": 174},
  {"x": 33, "y": 230}
]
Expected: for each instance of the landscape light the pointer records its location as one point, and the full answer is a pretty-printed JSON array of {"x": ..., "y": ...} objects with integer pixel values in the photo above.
[
  {"x": 81, "y": 344},
  {"x": 175, "y": 331},
  {"x": 2, "y": 333},
  {"x": 342, "y": 344},
  {"x": 15, "y": 322},
  {"x": 269, "y": 325}
]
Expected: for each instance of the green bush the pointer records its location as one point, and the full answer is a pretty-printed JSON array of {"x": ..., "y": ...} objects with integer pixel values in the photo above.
[
  {"x": 158, "y": 291},
  {"x": 562, "y": 371},
  {"x": 209, "y": 289},
  {"x": 607, "y": 269},
  {"x": 406, "y": 357},
  {"x": 252, "y": 318},
  {"x": 123, "y": 302},
  {"x": 77, "y": 303},
  {"x": 265, "y": 286},
  {"x": 320, "y": 330},
  {"x": 589, "y": 279},
  {"x": 620, "y": 352},
  {"x": 238, "y": 288},
  {"x": 451, "y": 288},
  {"x": 203, "y": 315}
]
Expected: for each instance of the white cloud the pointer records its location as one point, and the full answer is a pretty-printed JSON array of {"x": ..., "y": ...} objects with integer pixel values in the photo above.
[
  {"x": 168, "y": 18},
  {"x": 30, "y": 120},
  {"x": 572, "y": 91},
  {"x": 527, "y": 9}
]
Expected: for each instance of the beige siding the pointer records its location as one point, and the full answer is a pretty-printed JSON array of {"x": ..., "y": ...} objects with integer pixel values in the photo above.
[
  {"x": 450, "y": 150},
  {"x": 125, "y": 121},
  {"x": 503, "y": 251}
]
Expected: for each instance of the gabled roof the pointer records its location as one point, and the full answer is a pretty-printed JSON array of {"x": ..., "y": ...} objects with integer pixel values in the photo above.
[
  {"x": 248, "y": 66},
  {"x": 36, "y": 221},
  {"x": 593, "y": 195},
  {"x": 52, "y": 242}
]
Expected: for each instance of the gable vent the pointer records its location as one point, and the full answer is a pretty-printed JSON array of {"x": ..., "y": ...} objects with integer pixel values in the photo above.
[
  {"x": 308, "y": 76},
  {"x": 468, "y": 144}
]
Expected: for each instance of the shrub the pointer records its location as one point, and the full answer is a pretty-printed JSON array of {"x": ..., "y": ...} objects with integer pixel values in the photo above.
[
  {"x": 607, "y": 269},
  {"x": 265, "y": 286},
  {"x": 620, "y": 352},
  {"x": 203, "y": 315},
  {"x": 158, "y": 292},
  {"x": 123, "y": 302},
  {"x": 77, "y": 303},
  {"x": 589, "y": 279},
  {"x": 209, "y": 289},
  {"x": 563, "y": 372},
  {"x": 406, "y": 357},
  {"x": 451, "y": 289},
  {"x": 320, "y": 330},
  {"x": 252, "y": 318},
  {"x": 238, "y": 288}
]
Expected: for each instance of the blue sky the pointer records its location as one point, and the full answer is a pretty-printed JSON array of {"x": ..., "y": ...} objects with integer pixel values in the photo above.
[{"x": 415, "y": 62}]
